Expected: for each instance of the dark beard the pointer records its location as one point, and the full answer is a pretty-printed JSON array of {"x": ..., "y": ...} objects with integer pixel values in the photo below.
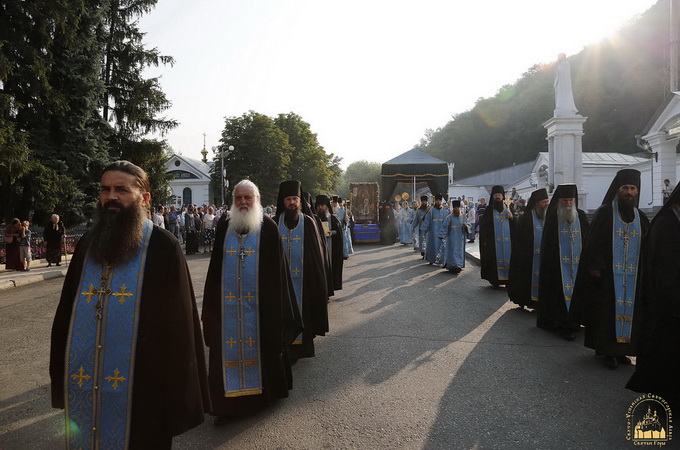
[
  {"x": 322, "y": 214},
  {"x": 423, "y": 206},
  {"x": 291, "y": 217},
  {"x": 498, "y": 205},
  {"x": 626, "y": 207},
  {"x": 116, "y": 235}
]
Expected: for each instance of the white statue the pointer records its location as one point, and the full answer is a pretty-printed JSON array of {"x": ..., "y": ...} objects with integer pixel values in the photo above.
[{"x": 564, "y": 97}]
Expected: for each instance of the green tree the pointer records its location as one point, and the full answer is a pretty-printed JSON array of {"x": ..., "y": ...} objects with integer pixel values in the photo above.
[
  {"x": 49, "y": 106},
  {"x": 261, "y": 153},
  {"x": 131, "y": 103},
  {"x": 358, "y": 172},
  {"x": 317, "y": 170}
]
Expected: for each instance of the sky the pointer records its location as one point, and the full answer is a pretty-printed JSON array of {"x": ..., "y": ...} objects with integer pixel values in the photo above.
[{"x": 369, "y": 76}]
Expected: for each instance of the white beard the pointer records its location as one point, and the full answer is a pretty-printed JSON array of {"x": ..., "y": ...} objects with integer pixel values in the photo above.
[
  {"x": 567, "y": 213},
  {"x": 246, "y": 222}
]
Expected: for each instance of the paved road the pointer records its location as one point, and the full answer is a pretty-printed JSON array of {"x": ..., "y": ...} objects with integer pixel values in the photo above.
[{"x": 416, "y": 358}]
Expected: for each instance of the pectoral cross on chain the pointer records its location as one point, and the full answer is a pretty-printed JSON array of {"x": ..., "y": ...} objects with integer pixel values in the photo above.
[{"x": 103, "y": 291}]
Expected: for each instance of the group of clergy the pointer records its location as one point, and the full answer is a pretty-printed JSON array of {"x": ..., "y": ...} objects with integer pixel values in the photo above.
[
  {"x": 127, "y": 360},
  {"x": 618, "y": 276},
  {"x": 436, "y": 231}
]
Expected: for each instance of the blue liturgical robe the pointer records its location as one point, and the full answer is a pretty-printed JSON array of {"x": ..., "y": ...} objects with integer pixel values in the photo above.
[
  {"x": 453, "y": 231},
  {"x": 433, "y": 222}
]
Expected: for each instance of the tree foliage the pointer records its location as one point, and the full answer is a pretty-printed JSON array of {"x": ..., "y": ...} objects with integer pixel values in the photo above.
[
  {"x": 268, "y": 151},
  {"x": 618, "y": 84},
  {"x": 358, "y": 172},
  {"x": 63, "y": 66}
]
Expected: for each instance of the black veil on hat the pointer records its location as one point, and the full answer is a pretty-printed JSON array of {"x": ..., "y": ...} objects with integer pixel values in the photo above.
[
  {"x": 623, "y": 176},
  {"x": 424, "y": 198},
  {"x": 498, "y": 189},
  {"x": 323, "y": 200},
  {"x": 287, "y": 189},
  {"x": 563, "y": 191},
  {"x": 306, "y": 203},
  {"x": 536, "y": 196}
]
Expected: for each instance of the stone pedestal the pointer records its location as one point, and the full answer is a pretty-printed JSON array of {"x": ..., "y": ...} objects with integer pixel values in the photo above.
[{"x": 565, "y": 151}]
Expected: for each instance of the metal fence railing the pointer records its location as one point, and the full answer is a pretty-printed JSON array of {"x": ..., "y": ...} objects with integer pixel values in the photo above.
[{"x": 39, "y": 246}]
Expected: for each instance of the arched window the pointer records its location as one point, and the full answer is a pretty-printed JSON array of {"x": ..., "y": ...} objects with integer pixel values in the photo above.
[{"x": 186, "y": 196}]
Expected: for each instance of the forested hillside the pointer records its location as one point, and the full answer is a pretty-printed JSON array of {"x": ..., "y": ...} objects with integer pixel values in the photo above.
[{"x": 618, "y": 84}]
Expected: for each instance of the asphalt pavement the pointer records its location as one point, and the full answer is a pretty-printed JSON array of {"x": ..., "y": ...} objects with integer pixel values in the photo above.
[{"x": 416, "y": 358}]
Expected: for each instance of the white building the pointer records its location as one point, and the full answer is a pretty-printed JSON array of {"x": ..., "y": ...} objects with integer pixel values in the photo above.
[
  {"x": 599, "y": 170},
  {"x": 190, "y": 183}
]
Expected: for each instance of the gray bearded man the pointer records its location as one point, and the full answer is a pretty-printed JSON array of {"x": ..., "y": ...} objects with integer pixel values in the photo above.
[
  {"x": 608, "y": 271},
  {"x": 564, "y": 234},
  {"x": 126, "y": 337},
  {"x": 250, "y": 316}
]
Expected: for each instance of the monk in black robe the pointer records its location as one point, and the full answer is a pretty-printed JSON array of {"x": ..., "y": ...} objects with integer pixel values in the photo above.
[
  {"x": 494, "y": 271},
  {"x": 657, "y": 367},
  {"x": 333, "y": 234},
  {"x": 314, "y": 302},
  {"x": 307, "y": 210},
  {"x": 595, "y": 282},
  {"x": 555, "y": 309},
  {"x": 278, "y": 314},
  {"x": 525, "y": 242},
  {"x": 169, "y": 385}
]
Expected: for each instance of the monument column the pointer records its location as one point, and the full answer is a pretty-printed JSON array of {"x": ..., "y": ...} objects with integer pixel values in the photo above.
[{"x": 565, "y": 132}]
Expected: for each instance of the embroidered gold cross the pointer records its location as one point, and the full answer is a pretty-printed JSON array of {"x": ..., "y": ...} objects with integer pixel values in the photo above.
[
  {"x": 619, "y": 266},
  {"x": 122, "y": 294},
  {"x": 296, "y": 271},
  {"x": 90, "y": 293},
  {"x": 631, "y": 267},
  {"x": 116, "y": 378},
  {"x": 231, "y": 251},
  {"x": 249, "y": 252},
  {"x": 230, "y": 297},
  {"x": 231, "y": 342},
  {"x": 80, "y": 376},
  {"x": 297, "y": 238},
  {"x": 251, "y": 341},
  {"x": 249, "y": 297}
]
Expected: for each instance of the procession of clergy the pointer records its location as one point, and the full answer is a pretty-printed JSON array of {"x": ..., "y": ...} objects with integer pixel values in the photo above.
[{"x": 127, "y": 361}]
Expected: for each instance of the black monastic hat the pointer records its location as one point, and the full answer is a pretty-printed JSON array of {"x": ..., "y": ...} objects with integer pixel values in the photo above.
[
  {"x": 536, "y": 196},
  {"x": 498, "y": 189},
  {"x": 322, "y": 200},
  {"x": 424, "y": 198},
  {"x": 563, "y": 191},
  {"x": 438, "y": 197},
  {"x": 455, "y": 203},
  {"x": 623, "y": 176}
]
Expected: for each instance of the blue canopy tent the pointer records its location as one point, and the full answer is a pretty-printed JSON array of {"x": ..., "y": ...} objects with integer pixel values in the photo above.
[{"x": 414, "y": 167}]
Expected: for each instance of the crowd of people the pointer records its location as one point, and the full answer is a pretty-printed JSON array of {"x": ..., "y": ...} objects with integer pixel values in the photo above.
[
  {"x": 127, "y": 336},
  {"x": 18, "y": 253},
  {"x": 616, "y": 277}
]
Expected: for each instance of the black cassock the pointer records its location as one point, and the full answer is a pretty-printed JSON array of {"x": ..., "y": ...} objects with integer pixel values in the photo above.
[
  {"x": 552, "y": 311},
  {"x": 279, "y": 317},
  {"x": 521, "y": 263},
  {"x": 170, "y": 392},
  {"x": 657, "y": 368},
  {"x": 596, "y": 296},
  {"x": 314, "y": 291},
  {"x": 337, "y": 259},
  {"x": 487, "y": 246}
]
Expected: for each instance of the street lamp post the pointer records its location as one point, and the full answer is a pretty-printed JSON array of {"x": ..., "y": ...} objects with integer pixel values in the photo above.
[{"x": 223, "y": 174}]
